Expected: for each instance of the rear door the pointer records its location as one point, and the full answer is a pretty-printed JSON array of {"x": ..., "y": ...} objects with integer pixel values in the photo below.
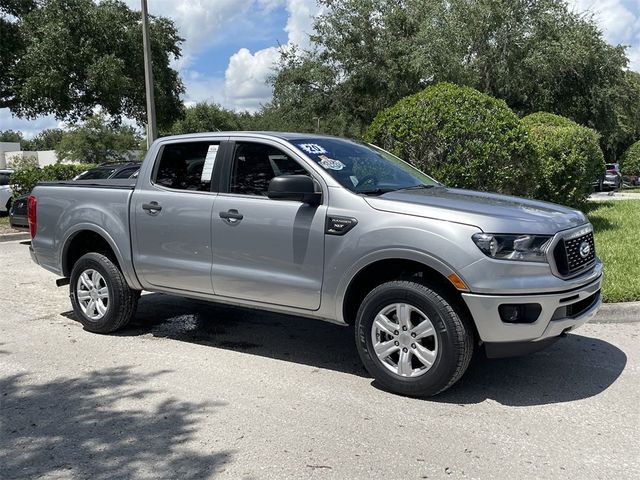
[
  {"x": 171, "y": 212},
  {"x": 270, "y": 251}
]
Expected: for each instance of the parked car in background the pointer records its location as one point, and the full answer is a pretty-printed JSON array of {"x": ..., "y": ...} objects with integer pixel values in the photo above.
[
  {"x": 18, "y": 211},
  {"x": 611, "y": 178},
  {"x": 110, "y": 170},
  {"x": 5, "y": 190}
]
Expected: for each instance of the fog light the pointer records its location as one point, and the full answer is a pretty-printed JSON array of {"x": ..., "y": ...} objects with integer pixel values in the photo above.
[{"x": 520, "y": 312}]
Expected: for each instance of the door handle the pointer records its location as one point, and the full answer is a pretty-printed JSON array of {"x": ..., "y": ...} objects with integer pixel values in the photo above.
[
  {"x": 151, "y": 208},
  {"x": 231, "y": 216}
]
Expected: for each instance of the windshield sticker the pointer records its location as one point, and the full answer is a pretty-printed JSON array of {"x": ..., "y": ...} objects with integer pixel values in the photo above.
[
  {"x": 312, "y": 148},
  {"x": 330, "y": 164}
]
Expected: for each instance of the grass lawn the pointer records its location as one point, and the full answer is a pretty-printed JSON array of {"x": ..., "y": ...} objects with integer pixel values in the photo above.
[
  {"x": 4, "y": 219},
  {"x": 617, "y": 232}
]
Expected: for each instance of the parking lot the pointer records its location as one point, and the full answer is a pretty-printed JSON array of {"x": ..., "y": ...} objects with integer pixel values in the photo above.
[{"x": 194, "y": 390}]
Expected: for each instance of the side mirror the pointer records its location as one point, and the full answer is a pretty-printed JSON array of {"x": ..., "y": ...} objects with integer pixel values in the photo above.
[{"x": 300, "y": 188}]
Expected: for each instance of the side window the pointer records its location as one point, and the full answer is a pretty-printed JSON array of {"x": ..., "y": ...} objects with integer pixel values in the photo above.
[
  {"x": 4, "y": 179},
  {"x": 255, "y": 164},
  {"x": 187, "y": 166}
]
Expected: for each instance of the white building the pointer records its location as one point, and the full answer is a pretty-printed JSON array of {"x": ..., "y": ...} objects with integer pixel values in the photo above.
[{"x": 11, "y": 151}]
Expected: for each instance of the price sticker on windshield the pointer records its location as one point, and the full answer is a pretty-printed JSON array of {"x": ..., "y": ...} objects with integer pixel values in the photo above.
[{"x": 312, "y": 148}]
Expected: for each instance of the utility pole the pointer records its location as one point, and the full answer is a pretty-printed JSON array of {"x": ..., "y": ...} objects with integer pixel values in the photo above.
[{"x": 152, "y": 130}]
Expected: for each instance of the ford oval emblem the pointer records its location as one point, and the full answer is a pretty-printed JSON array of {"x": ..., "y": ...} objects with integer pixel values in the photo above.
[{"x": 585, "y": 249}]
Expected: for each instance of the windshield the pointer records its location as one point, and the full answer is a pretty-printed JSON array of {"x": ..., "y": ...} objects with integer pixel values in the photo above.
[
  {"x": 363, "y": 168},
  {"x": 96, "y": 174}
]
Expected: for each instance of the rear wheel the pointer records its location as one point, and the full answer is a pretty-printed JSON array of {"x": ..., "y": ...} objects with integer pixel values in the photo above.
[
  {"x": 100, "y": 296},
  {"x": 411, "y": 339}
]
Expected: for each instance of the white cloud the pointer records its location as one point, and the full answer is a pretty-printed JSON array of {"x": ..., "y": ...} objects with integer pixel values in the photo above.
[
  {"x": 300, "y": 21},
  {"x": 29, "y": 128},
  {"x": 619, "y": 21},
  {"x": 245, "y": 80},
  {"x": 246, "y": 76},
  {"x": 199, "y": 22}
]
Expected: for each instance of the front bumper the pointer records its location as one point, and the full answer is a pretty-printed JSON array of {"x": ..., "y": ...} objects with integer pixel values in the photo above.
[{"x": 561, "y": 312}]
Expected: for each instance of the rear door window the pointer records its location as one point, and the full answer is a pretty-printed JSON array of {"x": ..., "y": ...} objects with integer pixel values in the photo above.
[
  {"x": 187, "y": 166},
  {"x": 4, "y": 179}
]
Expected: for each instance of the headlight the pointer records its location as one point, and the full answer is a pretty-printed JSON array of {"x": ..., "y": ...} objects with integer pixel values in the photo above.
[{"x": 524, "y": 248}]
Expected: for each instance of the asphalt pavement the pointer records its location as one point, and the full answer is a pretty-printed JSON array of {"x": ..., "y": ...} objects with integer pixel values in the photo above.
[{"x": 192, "y": 390}]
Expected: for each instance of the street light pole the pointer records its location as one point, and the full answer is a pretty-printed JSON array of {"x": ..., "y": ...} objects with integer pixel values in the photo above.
[{"x": 152, "y": 130}]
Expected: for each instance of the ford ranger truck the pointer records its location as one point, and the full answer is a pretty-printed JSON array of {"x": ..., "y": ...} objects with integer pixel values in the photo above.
[{"x": 326, "y": 228}]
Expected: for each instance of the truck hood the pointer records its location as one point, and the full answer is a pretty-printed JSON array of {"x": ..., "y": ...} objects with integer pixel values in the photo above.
[{"x": 490, "y": 212}]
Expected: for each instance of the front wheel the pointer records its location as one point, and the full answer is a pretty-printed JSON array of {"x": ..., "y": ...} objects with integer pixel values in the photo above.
[
  {"x": 411, "y": 339},
  {"x": 100, "y": 296}
]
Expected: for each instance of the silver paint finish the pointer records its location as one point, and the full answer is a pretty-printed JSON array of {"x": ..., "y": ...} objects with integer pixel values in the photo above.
[
  {"x": 278, "y": 257},
  {"x": 173, "y": 246}
]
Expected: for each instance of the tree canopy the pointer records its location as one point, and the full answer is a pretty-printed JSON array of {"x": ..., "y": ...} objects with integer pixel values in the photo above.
[
  {"x": 535, "y": 55},
  {"x": 67, "y": 57},
  {"x": 97, "y": 141},
  {"x": 206, "y": 117}
]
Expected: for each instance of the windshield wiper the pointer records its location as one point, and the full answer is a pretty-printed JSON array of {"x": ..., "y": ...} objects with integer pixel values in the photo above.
[
  {"x": 376, "y": 191},
  {"x": 416, "y": 187}
]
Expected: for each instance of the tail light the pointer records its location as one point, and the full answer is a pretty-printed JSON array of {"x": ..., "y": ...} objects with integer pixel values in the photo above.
[{"x": 32, "y": 207}]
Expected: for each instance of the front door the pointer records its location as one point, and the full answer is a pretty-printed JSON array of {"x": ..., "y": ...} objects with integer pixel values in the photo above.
[
  {"x": 270, "y": 251},
  {"x": 172, "y": 218}
]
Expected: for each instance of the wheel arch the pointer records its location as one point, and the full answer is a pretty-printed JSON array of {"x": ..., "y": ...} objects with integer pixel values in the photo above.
[
  {"x": 91, "y": 238},
  {"x": 401, "y": 264}
]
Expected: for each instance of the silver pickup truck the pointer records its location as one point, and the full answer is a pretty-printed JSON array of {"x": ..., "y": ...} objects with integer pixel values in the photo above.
[{"x": 326, "y": 228}]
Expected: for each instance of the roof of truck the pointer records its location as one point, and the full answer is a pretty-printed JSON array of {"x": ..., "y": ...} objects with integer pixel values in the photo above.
[{"x": 281, "y": 135}]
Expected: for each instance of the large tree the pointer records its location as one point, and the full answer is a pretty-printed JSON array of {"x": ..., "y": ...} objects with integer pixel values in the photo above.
[
  {"x": 534, "y": 54},
  {"x": 97, "y": 141},
  {"x": 206, "y": 117},
  {"x": 67, "y": 57}
]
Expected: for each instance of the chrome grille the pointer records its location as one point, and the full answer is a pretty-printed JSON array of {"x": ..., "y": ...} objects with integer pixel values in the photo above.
[{"x": 568, "y": 258}]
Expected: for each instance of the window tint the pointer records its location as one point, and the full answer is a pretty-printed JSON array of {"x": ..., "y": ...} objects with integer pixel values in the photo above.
[
  {"x": 255, "y": 164},
  {"x": 4, "y": 179},
  {"x": 126, "y": 173},
  {"x": 187, "y": 166}
]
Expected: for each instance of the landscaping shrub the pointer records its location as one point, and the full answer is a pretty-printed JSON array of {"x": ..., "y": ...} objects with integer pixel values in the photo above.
[
  {"x": 569, "y": 157},
  {"x": 20, "y": 163},
  {"x": 461, "y": 137},
  {"x": 23, "y": 181},
  {"x": 630, "y": 162}
]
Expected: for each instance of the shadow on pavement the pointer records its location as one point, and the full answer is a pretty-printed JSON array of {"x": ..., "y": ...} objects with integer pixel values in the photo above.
[
  {"x": 573, "y": 368},
  {"x": 283, "y": 337},
  {"x": 79, "y": 428}
]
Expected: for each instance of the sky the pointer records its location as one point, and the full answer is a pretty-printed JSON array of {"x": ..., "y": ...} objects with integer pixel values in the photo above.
[{"x": 231, "y": 45}]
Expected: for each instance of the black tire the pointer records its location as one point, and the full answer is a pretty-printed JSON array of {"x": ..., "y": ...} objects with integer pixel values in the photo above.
[
  {"x": 454, "y": 338},
  {"x": 122, "y": 301}
]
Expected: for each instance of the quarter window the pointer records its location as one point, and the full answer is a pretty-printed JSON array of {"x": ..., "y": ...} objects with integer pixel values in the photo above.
[
  {"x": 255, "y": 164},
  {"x": 187, "y": 166}
]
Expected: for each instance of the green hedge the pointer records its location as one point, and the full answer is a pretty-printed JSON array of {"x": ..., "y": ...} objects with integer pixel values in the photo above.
[
  {"x": 569, "y": 158},
  {"x": 23, "y": 181},
  {"x": 630, "y": 162},
  {"x": 461, "y": 137}
]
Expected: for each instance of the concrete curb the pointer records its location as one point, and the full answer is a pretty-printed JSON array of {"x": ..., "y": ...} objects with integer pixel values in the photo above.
[
  {"x": 8, "y": 237},
  {"x": 624, "y": 312}
]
